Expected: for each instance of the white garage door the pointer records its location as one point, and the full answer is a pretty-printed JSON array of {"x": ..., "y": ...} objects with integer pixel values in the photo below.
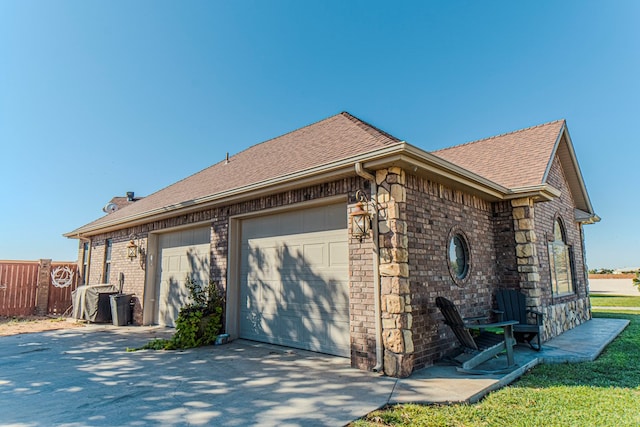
[
  {"x": 180, "y": 254},
  {"x": 295, "y": 280}
]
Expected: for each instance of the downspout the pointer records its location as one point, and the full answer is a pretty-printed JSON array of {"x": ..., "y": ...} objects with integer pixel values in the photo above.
[{"x": 376, "y": 267}]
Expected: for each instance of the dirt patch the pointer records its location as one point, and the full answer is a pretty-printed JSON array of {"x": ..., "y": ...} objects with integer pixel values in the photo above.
[{"x": 32, "y": 324}]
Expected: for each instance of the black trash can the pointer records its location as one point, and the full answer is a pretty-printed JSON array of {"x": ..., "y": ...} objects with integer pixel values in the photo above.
[
  {"x": 121, "y": 309},
  {"x": 104, "y": 313}
]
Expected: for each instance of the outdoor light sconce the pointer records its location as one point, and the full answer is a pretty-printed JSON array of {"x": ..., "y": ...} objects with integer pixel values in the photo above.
[
  {"x": 132, "y": 248},
  {"x": 360, "y": 218}
]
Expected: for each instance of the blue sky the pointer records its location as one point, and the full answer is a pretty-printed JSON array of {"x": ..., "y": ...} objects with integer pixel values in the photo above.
[{"x": 103, "y": 97}]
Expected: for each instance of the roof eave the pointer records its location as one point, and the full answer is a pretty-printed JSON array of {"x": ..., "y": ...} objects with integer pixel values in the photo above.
[
  {"x": 426, "y": 164},
  {"x": 299, "y": 179},
  {"x": 540, "y": 193},
  {"x": 400, "y": 154},
  {"x": 583, "y": 217}
]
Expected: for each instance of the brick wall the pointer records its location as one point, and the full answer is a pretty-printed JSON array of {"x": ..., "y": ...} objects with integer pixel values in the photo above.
[
  {"x": 218, "y": 217},
  {"x": 503, "y": 227},
  {"x": 566, "y": 312},
  {"x": 433, "y": 210},
  {"x": 546, "y": 214},
  {"x": 361, "y": 298},
  {"x": 416, "y": 219}
]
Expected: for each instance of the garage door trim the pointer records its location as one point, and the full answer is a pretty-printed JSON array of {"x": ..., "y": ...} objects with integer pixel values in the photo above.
[{"x": 235, "y": 248}]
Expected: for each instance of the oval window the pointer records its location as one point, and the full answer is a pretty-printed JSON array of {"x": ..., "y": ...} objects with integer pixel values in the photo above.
[{"x": 458, "y": 256}]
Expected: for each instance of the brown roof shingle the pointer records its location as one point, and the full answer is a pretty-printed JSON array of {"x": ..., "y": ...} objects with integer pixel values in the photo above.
[
  {"x": 513, "y": 160},
  {"x": 330, "y": 140}
]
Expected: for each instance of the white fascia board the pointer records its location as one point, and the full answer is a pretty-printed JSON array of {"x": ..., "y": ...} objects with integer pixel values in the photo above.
[{"x": 543, "y": 192}]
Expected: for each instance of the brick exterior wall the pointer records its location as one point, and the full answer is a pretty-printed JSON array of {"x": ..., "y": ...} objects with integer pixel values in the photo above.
[
  {"x": 566, "y": 312},
  {"x": 361, "y": 270},
  {"x": 433, "y": 210},
  {"x": 504, "y": 231},
  {"x": 361, "y": 299},
  {"x": 416, "y": 217}
]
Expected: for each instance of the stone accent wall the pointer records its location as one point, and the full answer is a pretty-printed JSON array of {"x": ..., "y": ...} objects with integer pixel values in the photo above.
[
  {"x": 397, "y": 318},
  {"x": 564, "y": 316},
  {"x": 526, "y": 252},
  {"x": 432, "y": 211}
]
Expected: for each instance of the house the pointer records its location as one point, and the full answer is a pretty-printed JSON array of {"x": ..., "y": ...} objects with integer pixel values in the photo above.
[{"x": 277, "y": 227}]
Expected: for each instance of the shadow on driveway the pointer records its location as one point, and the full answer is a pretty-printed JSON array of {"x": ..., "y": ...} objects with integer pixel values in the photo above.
[{"x": 82, "y": 377}]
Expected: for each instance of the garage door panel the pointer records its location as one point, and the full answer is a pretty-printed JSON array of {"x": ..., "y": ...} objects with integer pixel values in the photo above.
[
  {"x": 180, "y": 254},
  {"x": 260, "y": 296},
  {"x": 338, "y": 254},
  {"x": 294, "y": 285}
]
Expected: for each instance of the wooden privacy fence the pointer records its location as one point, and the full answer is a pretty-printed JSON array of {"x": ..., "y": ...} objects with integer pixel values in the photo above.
[{"x": 36, "y": 287}]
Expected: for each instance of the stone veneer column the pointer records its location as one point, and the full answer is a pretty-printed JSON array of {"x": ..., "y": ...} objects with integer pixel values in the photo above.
[
  {"x": 526, "y": 254},
  {"x": 394, "y": 273}
]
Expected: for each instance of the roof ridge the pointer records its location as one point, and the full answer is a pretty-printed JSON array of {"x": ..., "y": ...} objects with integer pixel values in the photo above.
[
  {"x": 500, "y": 135},
  {"x": 242, "y": 151},
  {"x": 368, "y": 127}
]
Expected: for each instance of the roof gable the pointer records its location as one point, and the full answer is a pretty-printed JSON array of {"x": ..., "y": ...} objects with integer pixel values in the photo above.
[
  {"x": 522, "y": 159},
  {"x": 514, "y": 160}
]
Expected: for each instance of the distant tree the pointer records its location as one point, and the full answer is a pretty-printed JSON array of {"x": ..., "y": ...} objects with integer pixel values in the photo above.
[
  {"x": 601, "y": 271},
  {"x": 636, "y": 280}
]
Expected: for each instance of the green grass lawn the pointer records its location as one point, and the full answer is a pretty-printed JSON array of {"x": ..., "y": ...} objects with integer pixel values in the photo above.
[
  {"x": 605, "y": 392},
  {"x": 598, "y": 300}
]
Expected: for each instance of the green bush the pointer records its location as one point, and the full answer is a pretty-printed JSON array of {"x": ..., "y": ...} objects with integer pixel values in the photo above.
[{"x": 198, "y": 323}]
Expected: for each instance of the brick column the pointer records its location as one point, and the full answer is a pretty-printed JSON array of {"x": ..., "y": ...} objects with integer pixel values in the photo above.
[
  {"x": 42, "y": 291},
  {"x": 394, "y": 273},
  {"x": 526, "y": 254}
]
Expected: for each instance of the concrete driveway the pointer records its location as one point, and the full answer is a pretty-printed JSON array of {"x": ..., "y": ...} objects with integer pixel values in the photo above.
[{"x": 85, "y": 377}]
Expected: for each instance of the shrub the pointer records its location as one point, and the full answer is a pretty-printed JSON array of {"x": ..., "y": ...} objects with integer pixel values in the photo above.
[{"x": 199, "y": 322}]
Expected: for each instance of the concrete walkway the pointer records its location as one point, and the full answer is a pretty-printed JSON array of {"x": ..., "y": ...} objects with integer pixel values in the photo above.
[
  {"x": 85, "y": 377},
  {"x": 443, "y": 384}
]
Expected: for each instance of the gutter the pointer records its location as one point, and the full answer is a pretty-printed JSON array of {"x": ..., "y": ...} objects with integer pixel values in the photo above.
[
  {"x": 400, "y": 154},
  {"x": 376, "y": 268}
]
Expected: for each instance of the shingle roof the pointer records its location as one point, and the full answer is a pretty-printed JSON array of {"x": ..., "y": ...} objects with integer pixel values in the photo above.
[
  {"x": 330, "y": 140},
  {"x": 513, "y": 160}
]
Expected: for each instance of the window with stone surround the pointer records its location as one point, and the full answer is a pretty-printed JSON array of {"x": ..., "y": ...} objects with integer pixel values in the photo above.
[
  {"x": 560, "y": 261},
  {"x": 458, "y": 256}
]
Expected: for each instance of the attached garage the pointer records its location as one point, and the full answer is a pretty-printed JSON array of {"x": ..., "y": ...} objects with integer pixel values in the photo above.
[
  {"x": 180, "y": 254},
  {"x": 294, "y": 279}
]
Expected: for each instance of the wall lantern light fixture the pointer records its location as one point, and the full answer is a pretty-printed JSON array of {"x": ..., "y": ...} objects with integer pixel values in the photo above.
[
  {"x": 132, "y": 248},
  {"x": 360, "y": 217}
]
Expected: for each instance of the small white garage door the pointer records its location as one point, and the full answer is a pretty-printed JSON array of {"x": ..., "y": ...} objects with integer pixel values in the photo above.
[
  {"x": 294, "y": 287},
  {"x": 180, "y": 254}
]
